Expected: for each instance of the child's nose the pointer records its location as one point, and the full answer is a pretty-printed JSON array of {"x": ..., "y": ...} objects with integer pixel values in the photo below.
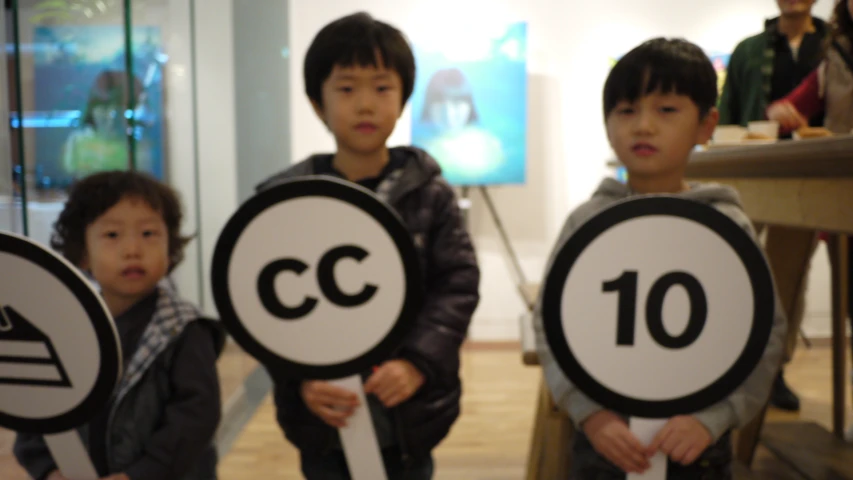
[
  {"x": 132, "y": 247},
  {"x": 645, "y": 123},
  {"x": 365, "y": 102}
]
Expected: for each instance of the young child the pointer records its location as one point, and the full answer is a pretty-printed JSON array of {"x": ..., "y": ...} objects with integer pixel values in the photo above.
[
  {"x": 359, "y": 73},
  {"x": 123, "y": 228},
  {"x": 659, "y": 104}
]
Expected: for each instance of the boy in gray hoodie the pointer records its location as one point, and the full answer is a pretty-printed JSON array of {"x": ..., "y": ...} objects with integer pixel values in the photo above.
[{"x": 659, "y": 103}]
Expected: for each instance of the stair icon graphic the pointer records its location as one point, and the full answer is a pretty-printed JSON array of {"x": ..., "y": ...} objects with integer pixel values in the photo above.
[{"x": 27, "y": 356}]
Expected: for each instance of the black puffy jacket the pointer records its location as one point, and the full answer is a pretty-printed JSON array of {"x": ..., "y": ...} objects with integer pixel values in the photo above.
[{"x": 428, "y": 208}]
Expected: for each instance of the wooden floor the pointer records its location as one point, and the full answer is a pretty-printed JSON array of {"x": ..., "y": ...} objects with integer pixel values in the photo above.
[{"x": 491, "y": 439}]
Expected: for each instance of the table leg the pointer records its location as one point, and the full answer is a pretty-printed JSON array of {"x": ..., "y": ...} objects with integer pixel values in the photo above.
[
  {"x": 550, "y": 453},
  {"x": 838, "y": 263},
  {"x": 789, "y": 252},
  {"x": 748, "y": 437},
  {"x": 557, "y": 451},
  {"x": 537, "y": 440}
]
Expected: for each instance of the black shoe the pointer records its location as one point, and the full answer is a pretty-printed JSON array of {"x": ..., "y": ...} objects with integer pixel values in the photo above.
[{"x": 782, "y": 397}]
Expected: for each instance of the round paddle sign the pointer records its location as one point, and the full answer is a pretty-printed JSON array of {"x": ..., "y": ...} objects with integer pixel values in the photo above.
[
  {"x": 59, "y": 351},
  {"x": 317, "y": 278},
  {"x": 658, "y": 306}
]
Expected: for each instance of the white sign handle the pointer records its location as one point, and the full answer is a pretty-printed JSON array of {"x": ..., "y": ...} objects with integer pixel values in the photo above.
[
  {"x": 645, "y": 430},
  {"x": 71, "y": 456},
  {"x": 361, "y": 446}
]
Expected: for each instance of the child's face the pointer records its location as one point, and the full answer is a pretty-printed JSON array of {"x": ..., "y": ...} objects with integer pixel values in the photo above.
[
  {"x": 795, "y": 7},
  {"x": 654, "y": 136},
  {"x": 127, "y": 250},
  {"x": 361, "y": 105}
]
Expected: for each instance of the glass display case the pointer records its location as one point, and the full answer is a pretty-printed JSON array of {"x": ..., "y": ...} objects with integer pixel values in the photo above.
[
  {"x": 93, "y": 85},
  {"x": 84, "y": 85}
]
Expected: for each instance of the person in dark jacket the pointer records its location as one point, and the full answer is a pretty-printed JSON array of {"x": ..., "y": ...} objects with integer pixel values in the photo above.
[
  {"x": 359, "y": 74},
  {"x": 123, "y": 228},
  {"x": 768, "y": 66}
]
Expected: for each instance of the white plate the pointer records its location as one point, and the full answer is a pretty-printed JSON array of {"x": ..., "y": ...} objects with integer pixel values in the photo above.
[{"x": 742, "y": 143}]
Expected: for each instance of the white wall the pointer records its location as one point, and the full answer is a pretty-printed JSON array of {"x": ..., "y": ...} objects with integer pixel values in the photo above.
[
  {"x": 262, "y": 81},
  {"x": 570, "y": 44},
  {"x": 181, "y": 135},
  {"x": 215, "y": 114}
]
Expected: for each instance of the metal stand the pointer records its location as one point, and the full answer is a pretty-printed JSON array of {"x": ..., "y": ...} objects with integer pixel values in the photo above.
[{"x": 515, "y": 264}]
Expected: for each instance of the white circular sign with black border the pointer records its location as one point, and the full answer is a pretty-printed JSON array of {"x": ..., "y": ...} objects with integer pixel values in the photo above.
[
  {"x": 658, "y": 306},
  {"x": 59, "y": 351},
  {"x": 316, "y": 278}
]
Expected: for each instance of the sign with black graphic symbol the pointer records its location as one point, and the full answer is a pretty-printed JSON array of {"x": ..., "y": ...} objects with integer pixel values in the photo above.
[
  {"x": 27, "y": 356},
  {"x": 319, "y": 279},
  {"x": 658, "y": 307},
  {"x": 59, "y": 351}
]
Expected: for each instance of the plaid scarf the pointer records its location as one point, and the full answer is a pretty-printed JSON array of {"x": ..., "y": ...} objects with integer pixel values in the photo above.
[{"x": 171, "y": 316}]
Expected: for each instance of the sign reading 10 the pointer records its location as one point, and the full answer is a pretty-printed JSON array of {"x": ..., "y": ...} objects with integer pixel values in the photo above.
[{"x": 626, "y": 288}]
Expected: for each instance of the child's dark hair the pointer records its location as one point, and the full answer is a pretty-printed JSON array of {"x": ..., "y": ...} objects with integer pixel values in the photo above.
[
  {"x": 361, "y": 40},
  {"x": 92, "y": 196},
  {"x": 665, "y": 65},
  {"x": 449, "y": 84}
]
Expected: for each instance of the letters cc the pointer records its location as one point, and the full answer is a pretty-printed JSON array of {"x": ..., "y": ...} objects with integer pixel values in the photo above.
[{"x": 325, "y": 278}]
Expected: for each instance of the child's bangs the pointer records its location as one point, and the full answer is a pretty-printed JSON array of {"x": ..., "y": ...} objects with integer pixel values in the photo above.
[
  {"x": 665, "y": 67},
  {"x": 631, "y": 82},
  {"x": 369, "y": 52}
]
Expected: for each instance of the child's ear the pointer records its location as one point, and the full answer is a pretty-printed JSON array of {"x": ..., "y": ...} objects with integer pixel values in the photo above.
[
  {"x": 318, "y": 110},
  {"x": 707, "y": 126},
  {"x": 84, "y": 263}
]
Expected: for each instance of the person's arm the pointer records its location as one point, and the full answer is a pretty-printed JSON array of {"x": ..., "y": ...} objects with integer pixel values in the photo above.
[
  {"x": 192, "y": 415},
  {"x": 32, "y": 454},
  {"x": 451, "y": 294},
  {"x": 730, "y": 99},
  {"x": 746, "y": 402},
  {"x": 806, "y": 97},
  {"x": 566, "y": 396},
  {"x": 804, "y": 102}
]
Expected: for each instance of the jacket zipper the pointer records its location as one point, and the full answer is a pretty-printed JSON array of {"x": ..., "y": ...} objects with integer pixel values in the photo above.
[
  {"x": 109, "y": 431},
  {"x": 405, "y": 456}
]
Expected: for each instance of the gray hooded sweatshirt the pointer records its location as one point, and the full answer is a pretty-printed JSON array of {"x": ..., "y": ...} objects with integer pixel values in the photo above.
[{"x": 744, "y": 403}]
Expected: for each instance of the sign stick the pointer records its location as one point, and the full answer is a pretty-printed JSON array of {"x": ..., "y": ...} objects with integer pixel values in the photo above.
[
  {"x": 645, "y": 430},
  {"x": 334, "y": 334},
  {"x": 361, "y": 446},
  {"x": 48, "y": 353},
  {"x": 71, "y": 456}
]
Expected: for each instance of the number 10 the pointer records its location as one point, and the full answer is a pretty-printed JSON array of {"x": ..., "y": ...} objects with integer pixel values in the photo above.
[{"x": 626, "y": 286}]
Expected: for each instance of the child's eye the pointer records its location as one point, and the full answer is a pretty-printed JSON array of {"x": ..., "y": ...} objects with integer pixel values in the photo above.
[
  {"x": 150, "y": 233},
  {"x": 625, "y": 111},
  {"x": 669, "y": 109},
  {"x": 383, "y": 88},
  {"x": 111, "y": 234},
  {"x": 345, "y": 89}
]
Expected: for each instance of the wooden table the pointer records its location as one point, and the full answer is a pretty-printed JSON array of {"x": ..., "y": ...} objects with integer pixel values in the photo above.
[{"x": 795, "y": 188}]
